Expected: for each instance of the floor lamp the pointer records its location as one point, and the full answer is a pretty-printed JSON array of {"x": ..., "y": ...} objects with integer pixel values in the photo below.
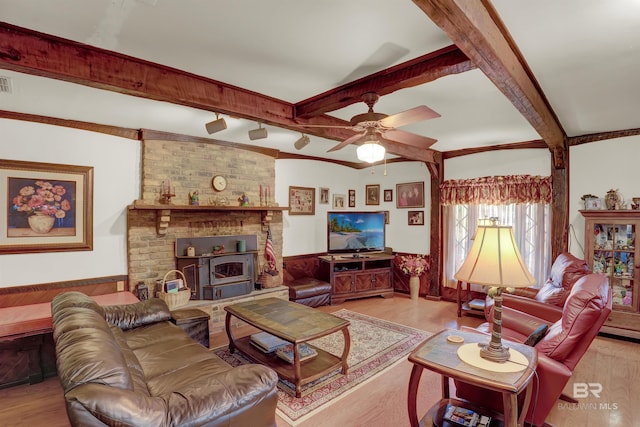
[{"x": 494, "y": 260}]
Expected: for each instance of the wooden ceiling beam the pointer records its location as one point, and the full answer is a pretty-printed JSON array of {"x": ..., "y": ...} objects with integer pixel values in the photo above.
[
  {"x": 31, "y": 52},
  {"x": 44, "y": 55},
  {"x": 418, "y": 71},
  {"x": 601, "y": 136},
  {"x": 476, "y": 29}
]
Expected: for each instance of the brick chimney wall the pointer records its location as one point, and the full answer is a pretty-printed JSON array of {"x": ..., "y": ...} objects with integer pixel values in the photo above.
[{"x": 190, "y": 166}]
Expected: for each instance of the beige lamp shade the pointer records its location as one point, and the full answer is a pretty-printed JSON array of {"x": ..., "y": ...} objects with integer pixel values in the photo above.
[{"x": 494, "y": 260}]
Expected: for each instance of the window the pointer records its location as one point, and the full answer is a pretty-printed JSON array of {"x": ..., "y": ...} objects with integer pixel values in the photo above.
[{"x": 467, "y": 201}]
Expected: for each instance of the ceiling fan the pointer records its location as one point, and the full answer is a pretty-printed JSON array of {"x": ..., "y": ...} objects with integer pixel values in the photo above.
[{"x": 375, "y": 127}]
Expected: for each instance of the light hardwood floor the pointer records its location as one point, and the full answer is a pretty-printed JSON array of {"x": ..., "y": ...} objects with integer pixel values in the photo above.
[{"x": 382, "y": 402}]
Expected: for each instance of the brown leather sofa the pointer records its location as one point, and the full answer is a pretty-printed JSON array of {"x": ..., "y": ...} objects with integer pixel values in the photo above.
[
  {"x": 571, "y": 329},
  {"x": 128, "y": 365}
]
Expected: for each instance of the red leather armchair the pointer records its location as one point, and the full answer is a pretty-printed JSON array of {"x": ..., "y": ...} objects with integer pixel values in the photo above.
[
  {"x": 565, "y": 271},
  {"x": 572, "y": 328}
]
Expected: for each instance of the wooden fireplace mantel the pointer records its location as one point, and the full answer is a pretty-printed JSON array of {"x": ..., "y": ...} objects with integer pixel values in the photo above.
[{"x": 163, "y": 211}]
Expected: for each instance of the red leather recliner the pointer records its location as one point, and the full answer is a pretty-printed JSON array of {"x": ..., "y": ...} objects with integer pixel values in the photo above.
[
  {"x": 571, "y": 331},
  {"x": 565, "y": 271}
]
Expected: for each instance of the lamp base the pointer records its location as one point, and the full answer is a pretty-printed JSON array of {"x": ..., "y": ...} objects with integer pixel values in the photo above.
[{"x": 494, "y": 354}]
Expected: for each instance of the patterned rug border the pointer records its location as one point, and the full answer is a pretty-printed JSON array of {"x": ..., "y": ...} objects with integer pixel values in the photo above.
[{"x": 336, "y": 386}]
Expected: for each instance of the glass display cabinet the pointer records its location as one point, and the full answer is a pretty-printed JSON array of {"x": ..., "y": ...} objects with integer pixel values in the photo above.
[{"x": 610, "y": 248}]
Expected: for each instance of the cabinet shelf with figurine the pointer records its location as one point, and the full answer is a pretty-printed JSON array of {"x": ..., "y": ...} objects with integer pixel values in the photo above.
[{"x": 611, "y": 248}]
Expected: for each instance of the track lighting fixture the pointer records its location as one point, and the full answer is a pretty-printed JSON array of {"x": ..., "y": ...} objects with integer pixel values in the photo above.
[
  {"x": 259, "y": 133},
  {"x": 216, "y": 126},
  {"x": 302, "y": 142},
  {"x": 370, "y": 151}
]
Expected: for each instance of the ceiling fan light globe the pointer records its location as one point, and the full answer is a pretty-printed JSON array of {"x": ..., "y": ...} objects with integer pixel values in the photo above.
[{"x": 370, "y": 152}]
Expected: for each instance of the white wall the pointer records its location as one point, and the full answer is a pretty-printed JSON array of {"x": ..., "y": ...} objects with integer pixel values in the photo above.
[
  {"x": 116, "y": 163},
  {"x": 503, "y": 162},
  {"x": 596, "y": 168},
  {"x": 305, "y": 234}
]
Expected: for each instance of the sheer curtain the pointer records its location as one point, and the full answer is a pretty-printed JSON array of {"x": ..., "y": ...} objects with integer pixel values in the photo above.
[{"x": 521, "y": 201}]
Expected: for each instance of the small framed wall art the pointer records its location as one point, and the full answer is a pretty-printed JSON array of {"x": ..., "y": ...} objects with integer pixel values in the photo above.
[
  {"x": 373, "y": 194},
  {"x": 352, "y": 198},
  {"x": 339, "y": 201},
  {"x": 388, "y": 195},
  {"x": 302, "y": 200},
  {"x": 415, "y": 217},
  {"x": 324, "y": 196}
]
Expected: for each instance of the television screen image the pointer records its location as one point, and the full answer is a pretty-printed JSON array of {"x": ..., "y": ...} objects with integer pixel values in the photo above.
[{"x": 355, "y": 232}]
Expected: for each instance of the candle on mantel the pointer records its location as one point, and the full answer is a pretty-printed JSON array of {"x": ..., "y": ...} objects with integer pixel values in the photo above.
[
  {"x": 169, "y": 186},
  {"x": 268, "y": 191},
  {"x": 260, "y": 191}
]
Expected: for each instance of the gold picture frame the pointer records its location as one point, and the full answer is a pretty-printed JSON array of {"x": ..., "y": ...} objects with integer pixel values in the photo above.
[
  {"x": 302, "y": 200},
  {"x": 46, "y": 207}
]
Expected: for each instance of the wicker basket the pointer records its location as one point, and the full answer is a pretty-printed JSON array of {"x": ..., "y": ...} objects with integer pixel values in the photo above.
[
  {"x": 176, "y": 299},
  {"x": 269, "y": 281}
]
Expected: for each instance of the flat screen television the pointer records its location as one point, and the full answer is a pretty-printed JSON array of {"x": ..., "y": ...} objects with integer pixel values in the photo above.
[{"x": 355, "y": 232}]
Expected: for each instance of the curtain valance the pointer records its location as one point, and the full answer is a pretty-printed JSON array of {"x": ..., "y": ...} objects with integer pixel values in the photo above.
[{"x": 497, "y": 190}]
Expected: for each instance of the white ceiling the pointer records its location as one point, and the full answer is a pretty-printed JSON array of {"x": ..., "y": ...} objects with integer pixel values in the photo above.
[{"x": 585, "y": 55}]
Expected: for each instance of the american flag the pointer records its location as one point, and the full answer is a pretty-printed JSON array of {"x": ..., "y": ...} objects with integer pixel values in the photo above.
[{"x": 269, "y": 253}]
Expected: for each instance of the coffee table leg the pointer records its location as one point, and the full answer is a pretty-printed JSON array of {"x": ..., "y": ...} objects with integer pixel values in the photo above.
[
  {"x": 412, "y": 395},
  {"x": 345, "y": 351},
  {"x": 296, "y": 368},
  {"x": 227, "y": 327}
]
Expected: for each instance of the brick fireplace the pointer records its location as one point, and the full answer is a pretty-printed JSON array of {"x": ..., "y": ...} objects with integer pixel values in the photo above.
[{"x": 190, "y": 165}]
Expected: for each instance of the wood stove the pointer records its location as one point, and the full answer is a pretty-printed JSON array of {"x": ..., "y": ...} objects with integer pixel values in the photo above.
[{"x": 216, "y": 270}]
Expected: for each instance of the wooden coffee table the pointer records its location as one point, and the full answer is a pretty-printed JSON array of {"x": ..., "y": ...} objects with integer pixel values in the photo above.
[{"x": 295, "y": 323}]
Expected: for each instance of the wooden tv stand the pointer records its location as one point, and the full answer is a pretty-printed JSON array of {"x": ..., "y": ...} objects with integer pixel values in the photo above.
[{"x": 356, "y": 277}]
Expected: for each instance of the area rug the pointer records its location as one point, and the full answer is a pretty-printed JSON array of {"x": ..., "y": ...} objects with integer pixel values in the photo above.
[{"x": 376, "y": 345}]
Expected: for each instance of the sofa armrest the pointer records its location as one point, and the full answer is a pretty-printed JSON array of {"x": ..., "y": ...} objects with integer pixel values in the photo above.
[
  {"x": 130, "y": 316},
  {"x": 249, "y": 389},
  {"x": 246, "y": 394},
  {"x": 548, "y": 312}
]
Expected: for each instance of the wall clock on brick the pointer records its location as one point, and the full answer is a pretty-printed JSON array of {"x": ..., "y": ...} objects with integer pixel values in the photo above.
[{"x": 219, "y": 182}]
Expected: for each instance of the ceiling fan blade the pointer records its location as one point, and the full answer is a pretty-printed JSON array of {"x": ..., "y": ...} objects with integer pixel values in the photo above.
[
  {"x": 417, "y": 114},
  {"x": 409, "y": 138},
  {"x": 346, "y": 142}
]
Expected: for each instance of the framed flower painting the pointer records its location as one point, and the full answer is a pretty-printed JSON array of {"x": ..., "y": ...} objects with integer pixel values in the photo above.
[{"x": 45, "y": 207}]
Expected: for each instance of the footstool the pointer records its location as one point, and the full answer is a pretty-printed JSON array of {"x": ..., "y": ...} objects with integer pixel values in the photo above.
[{"x": 310, "y": 291}]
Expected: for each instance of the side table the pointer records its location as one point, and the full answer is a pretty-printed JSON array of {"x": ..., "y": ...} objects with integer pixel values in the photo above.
[
  {"x": 465, "y": 306},
  {"x": 194, "y": 322},
  {"x": 439, "y": 355}
]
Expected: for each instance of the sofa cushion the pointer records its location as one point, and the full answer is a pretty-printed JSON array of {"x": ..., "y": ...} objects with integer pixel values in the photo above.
[
  {"x": 133, "y": 364},
  {"x": 566, "y": 269},
  {"x": 588, "y": 297}
]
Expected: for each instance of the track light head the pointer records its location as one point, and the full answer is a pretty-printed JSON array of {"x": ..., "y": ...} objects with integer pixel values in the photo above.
[
  {"x": 302, "y": 142},
  {"x": 259, "y": 133},
  {"x": 216, "y": 126}
]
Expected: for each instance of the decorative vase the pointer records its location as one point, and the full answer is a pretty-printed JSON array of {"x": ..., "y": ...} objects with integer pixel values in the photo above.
[
  {"x": 414, "y": 287},
  {"x": 41, "y": 223}
]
